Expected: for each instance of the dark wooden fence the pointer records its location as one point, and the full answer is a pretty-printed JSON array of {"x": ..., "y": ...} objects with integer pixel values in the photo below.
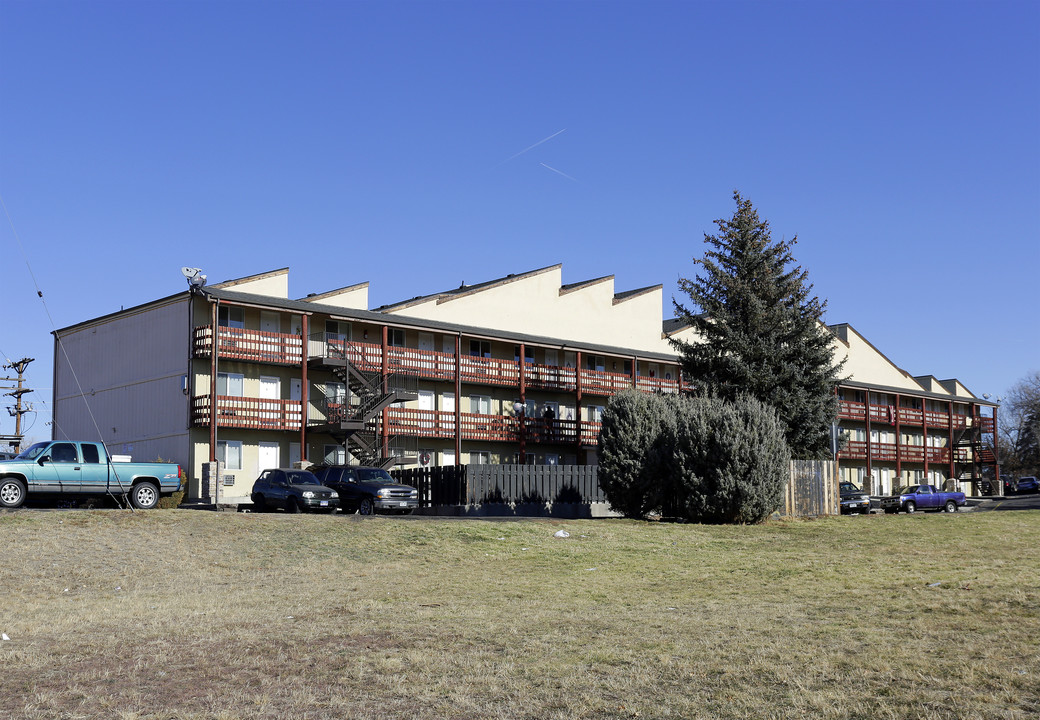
[{"x": 574, "y": 489}]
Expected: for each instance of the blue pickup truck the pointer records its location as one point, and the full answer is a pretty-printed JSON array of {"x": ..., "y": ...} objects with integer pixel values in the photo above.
[
  {"x": 75, "y": 470},
  {"x": 923, "y": 497}
]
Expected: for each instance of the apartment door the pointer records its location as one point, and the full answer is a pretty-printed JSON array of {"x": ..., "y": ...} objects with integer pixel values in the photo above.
[
  {"x": 294, "y": 454},
  {"x": 268, "y": 457},
  {"x": 426, "y": 409},
  {"x": 447, "y": 418},
  {"x": 270, "y": 322},
  {"x": 296, "y": 395},
  {"x": 270, "y": 396},
  {"x": 448, "y": 457}
]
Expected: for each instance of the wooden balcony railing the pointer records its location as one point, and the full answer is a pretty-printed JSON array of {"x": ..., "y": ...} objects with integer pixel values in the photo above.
[
  {"x": 250, "y": 413},
  {"x": 478, "y": 370},
  {"x": 888, "y": 414},
  {"x": 490, "y": 428},
  {"x": 888, "y": 452},
  {"x": 250, "y": 345}
]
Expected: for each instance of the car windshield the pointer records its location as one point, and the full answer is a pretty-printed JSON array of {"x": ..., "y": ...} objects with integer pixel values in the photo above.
[
  {"x": 301, "y": 477},
  {"x": 32, "y": 451},
  {"x": 848, "y": 487},
  {"x": 377, "y": 474}
]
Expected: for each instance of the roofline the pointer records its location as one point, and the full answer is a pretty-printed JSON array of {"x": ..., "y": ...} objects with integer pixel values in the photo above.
[
  {"x": 916, "y": 393},
  {"x": 331, "y": 293},
  {"x": 632, "y": 294},
  {"x": 466, "y": 290},
  {"x": 251, "y": 278}
]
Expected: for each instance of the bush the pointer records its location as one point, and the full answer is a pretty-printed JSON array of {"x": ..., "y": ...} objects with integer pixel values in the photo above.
[
  {"x": 628, "y": 454},
  {"x": 697, "y": 459},
  {"x": 173, "y": 501},
  {"x": 729, "y": 462}
]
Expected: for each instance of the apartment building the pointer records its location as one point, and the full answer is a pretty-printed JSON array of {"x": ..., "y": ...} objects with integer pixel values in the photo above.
[{"x": 514, "y": 370}]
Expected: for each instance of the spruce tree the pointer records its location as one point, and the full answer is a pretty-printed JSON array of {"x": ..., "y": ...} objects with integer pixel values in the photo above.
[{"x": 761, "y": 331}]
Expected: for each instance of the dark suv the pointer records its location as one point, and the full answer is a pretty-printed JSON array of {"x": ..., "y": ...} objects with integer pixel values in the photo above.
[
  {"x": 294, "y": 491},
  {"x": 853, "y": 500},
  {"x": 368, "y": 489}
]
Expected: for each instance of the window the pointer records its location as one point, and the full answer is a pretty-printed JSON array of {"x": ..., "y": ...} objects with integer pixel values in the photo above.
[
  {"x": 63, "y": 453},
  {"x": 552, "y": 459},
  {"x": 335, "y": 392},
  {"x": 334, "y": 455},
  {"x": 230, "y": 384},
  {"x": 480, "y": 404},
  {"x": 528, "y": 354},
  {"x": 480, "y": 458},
  {"x": 90, "y": 453},
  {"x": 396, "y": 337},
  {"x": 480, "y": 348},
  {"x": 595, "y": 413},
  {"x": 596, "y": 362},
  {"x": 336, "y": 330},
  {"x": 229, "y": 454},
  {"x": 234, "y": 317}
]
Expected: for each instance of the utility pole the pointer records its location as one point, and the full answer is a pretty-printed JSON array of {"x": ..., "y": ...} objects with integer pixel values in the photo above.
[{"x": 19, "y": 408}]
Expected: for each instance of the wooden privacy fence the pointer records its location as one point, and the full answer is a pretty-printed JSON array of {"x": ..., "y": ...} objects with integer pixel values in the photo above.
[
  {"x": 812, "y": 489},
  {"x": 533, "y": 489}
]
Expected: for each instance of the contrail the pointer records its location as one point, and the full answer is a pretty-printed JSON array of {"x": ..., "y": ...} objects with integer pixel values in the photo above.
[
  {"x": 533, "y": 146},
  {"x": 557, "y": 171}
]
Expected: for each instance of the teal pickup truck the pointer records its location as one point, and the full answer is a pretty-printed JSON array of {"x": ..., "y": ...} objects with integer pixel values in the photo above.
[{"x": 75, "y": 470}]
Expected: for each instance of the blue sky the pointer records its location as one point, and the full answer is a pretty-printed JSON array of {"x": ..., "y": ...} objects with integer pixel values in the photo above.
[{"x": 382, "y": 142}]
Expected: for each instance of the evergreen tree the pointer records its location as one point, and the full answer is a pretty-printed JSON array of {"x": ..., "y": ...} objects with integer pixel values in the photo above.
[{"x": 760, "y": 330}]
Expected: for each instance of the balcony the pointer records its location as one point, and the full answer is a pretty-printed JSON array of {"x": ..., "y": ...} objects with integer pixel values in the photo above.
[
  {"x": 249, "y": 345},
  {"x": 248, "y": 413},
  {"x": 477, "y": 370},
  {"x": 890, "y": 452},
  {"x": 888, "y": 414},
  {"x": 490, "y": 428}
]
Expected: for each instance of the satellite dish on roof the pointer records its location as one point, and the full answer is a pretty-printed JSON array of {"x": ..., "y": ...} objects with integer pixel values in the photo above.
[{"x": 194, "y": 276}]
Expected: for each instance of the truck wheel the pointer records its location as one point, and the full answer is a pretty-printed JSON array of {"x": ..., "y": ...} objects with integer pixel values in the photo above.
[
  {"x": 144, "y": 496},
  {"x": 366, "y": 507},
  {"x": 951, "y": 506},
  {"x": 910, "y": 507},
  {"x": 12, "y": 493}
]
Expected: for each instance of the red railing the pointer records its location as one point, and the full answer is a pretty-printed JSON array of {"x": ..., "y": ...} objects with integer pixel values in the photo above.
[
  {"x": 599, "y": 382},
  {"x": 251, "y": 413},
  {"x": 490, "y": 428},
  {"x": 550, "y": 377},
  {"x": 887, "y": 452},
  {"x": 887, "y": 414},
  {"x": 488, "y": 371},
  {"x": 250, "y": 345}
]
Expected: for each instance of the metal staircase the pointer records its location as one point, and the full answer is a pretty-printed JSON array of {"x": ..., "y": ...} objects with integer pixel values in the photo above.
[{"x": 355, "y": 420}]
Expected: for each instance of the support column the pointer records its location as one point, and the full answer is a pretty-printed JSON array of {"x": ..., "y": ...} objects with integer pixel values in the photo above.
[
  {"x": 458, "y": 399},
  {"x": 521, "y": 417},
  {"x": 384, "y": 430},
  {"x": 949, "y": 441},
  {"x": 999, "y": 489},
  {"x": 304, "y": 387},
  {"x": 869, "y": 479},
  {"x": 213, "y": 382}
]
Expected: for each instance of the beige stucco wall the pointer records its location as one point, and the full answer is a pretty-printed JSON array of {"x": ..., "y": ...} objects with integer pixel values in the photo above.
[
  {"x": 534, "y": 304},
  {"x": 866, "y": 365},
  {"x": 273, "y": 284}
]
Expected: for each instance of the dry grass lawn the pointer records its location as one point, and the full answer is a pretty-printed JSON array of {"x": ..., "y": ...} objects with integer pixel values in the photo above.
[{"x": 187, "y": 614}]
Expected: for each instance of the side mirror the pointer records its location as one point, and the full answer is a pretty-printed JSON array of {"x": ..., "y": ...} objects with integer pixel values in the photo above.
[{"x": 43, "y": 459}]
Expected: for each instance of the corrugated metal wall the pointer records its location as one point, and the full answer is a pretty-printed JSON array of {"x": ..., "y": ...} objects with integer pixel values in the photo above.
[{"x": 119, "y": 380}]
